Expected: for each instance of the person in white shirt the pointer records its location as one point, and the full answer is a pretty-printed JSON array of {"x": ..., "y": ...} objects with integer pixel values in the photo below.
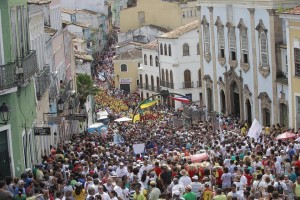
[
  {"x": 185, "y": 179},
  {"x": 122, "y": 170},
  {"x": 104, "y": 195},
  {"x": 108, "y": 185},
  {"x": 145, "y": 167},
  {"x": 196, "y": 186},
  {"x": 91, "y": 193},
  {"x": 177, "y": 187},
  {"x": 121, "y": 191}
]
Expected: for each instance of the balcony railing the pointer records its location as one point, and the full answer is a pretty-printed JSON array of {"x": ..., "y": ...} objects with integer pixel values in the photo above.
[
  {"x": 146, "y": 86},
  {"x": 8, "y": 77},
  {"x": 187, "y": 84},
  {"x": 140, "y": 86},
  {"x": 28, "y": 67},
  {"x": 42, "y": 82},
  {"x": 167, "y": 84},
  {"x": 65, "y": 92}
]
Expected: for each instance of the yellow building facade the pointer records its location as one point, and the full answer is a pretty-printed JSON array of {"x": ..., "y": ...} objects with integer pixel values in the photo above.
[
  {"x": 292, "y": 21},
  {"x": 157, "y": 12},
  {"x": 126, "y": 67}
]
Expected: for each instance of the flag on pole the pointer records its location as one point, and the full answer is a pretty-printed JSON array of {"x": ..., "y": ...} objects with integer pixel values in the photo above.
[
  {"x": 136, "y": 118},
  {"x": 255, "y": 130},
  {"x": 181, "y": 99},
  {"x": 148, "y": 104}
]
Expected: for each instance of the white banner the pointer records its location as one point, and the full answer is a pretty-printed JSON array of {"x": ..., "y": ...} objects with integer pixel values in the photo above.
[
  {"x": 255, "y": 130},
  {"x": 138, "y": 148}
]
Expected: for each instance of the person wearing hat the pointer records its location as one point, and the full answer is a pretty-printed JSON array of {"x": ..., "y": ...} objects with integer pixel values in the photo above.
[
  {"x": 189, "y": 195},
  {"x": 207, "y": 192},
  {"x": 196, "y": 186},
  {"x": 154, "y": 192},
  {"x": 122, "y": 170},
  {"x": 176, "y": 186},
  {"x": 185, "y": 179},
  {"x": 176, "y": 195}
]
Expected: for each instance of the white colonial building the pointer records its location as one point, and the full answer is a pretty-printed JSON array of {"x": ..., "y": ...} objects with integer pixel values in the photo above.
[
  {"x": 179, "y": 62},
  {"x": 149, "y": 83},
  {"x": 239, "y": 59}
]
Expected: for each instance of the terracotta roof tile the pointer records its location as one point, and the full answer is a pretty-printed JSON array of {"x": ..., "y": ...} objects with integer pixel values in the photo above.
[
  {"x": 151, "y": 45},
  {"x": 181, "y": 30},
  {"x": 129, "y": 55},
  {"x": 294, "y": 11}
]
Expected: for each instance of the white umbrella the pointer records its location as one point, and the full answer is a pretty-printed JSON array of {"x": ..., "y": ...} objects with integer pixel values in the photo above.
[{"x": 123, "y": 119}]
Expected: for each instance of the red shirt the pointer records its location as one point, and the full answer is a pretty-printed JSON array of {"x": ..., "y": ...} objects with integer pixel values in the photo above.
[
  {"x": 297, "y": 164},
  {"x": 249, "y": 179},
  {"x": 157, "y": 170}
]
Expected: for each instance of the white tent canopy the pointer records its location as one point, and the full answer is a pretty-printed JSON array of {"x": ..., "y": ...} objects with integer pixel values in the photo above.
[{"x": 123, "y": 119}]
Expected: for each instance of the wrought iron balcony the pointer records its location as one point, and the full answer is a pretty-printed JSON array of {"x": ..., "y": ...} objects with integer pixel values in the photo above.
[
  {"x": 167, "y": 84},
  {"x": 146, "y": 86},
  {"x": 156, "y": 89},
  {"x": 42, "y": 82},
  {"x": 8, "y": 78},
  {"x": 140, "y": 86},
  {"x": 28, "y": 67},
  {"x": 188, "y": 84},
  {"x": 65, "y": 92},
  {"x": 162, "y": 83}
]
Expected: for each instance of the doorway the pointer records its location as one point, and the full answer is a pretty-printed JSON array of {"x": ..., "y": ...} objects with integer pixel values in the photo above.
[
  {"x": 4, "y": 156},
  {"x": 125, "y": 88},
  {"x": 249, "y": 111},
  {"x": 283, "y": 114},
  {"x": 209, "y": 100},
  {"x": 235, "y": 99},
  {"x": 266, "y": 117},
  {"x": 223, "y": 102}
]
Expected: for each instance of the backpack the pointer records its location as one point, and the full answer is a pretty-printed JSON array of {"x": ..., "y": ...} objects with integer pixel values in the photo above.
[{"x": 279, "y": 188}]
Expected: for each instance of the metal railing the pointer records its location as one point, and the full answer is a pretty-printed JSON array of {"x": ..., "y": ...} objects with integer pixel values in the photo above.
[
  {"x": 28, "y": 68},
  {"x": 140, "y": 86},
  {"x": 188, "y": 84},
  {"x": 42, "y": 82},
  {"x": 8, "y": 76},
  {"x": 167, "y": 84}
]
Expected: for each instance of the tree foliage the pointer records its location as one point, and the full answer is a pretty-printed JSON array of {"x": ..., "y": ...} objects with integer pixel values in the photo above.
[{"x": 85, "y": 87}]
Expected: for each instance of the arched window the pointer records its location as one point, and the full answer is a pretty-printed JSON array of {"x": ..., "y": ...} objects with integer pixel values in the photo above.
[
  {"x": 167, "y": 75},
  {"x": 166, "y": 49},
  {"x": 264, "y": 49},
  {"x": 161, "y": 49},
  {"x": 187, "y": 79},
  {"x": 141, "y": 79},
  {"x": 152, "y": 83},
  {"x": 183, "y": 14},
  {"x": 232, "y": 43},
  {"x": 221, "y": 42},
  {"x": 151, "y": 60},
  {"x": 171, "y": 80},
  {"x": 185, "y": 49},
  {"x": 146, "y": 82},
  {"x": 170, "y": 50},
  {"x": 145, "y": 59},
  {"x": 156, "y": 61},
  {"x": 244, "y": 45},
  {"x": 162, "y": 74},
  {"x": 198, "y": 49}
]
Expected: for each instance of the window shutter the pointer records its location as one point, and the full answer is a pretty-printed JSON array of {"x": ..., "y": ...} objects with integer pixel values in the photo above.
[
  {"x": 206, "y": 39},
  {"x": 263, "y": 49},
  {"x": 221, "y": 38},
  {"x": 297, "y": 55},
  {"x": 232, "y": 39},
  {"x": 244, "y": 42}
]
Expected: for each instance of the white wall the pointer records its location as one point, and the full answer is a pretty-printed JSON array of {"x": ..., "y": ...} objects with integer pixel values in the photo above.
[{"x": 94, "y": 5}]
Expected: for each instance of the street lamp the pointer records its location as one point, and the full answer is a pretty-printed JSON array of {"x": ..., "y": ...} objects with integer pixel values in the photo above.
[
  {"x": 60, "y": 104},
  {"x": 4, "y": 113}
]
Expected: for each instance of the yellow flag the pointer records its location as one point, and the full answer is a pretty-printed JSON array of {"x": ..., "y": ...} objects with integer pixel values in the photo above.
[
  {"x": 148, "y": 104},
  {"x": 136, "y": 118}
]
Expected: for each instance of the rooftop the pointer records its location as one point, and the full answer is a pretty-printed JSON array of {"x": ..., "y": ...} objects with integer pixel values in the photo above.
[
  {"x": 83, "y": 56},
  {"x": 38, "y": 2},
  {"x": 127, "y": 42},
  {"x": 68, "y": 11},
  {"x": 151, "y": 45},
  {"x": 86, "y": 11},
  {"x": 181, "y": 30},
  {"x": 129, "y": 55},
  {"x": 293, "y": 11},
  {"x": 83, "y": 25},
  {"x": 162, "y": 29}
]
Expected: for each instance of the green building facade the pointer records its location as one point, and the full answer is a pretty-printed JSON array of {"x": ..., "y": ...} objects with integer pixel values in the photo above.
[{"x": 17, "y": 89}]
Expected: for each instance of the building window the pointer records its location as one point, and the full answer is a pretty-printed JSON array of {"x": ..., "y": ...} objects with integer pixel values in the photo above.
[
  {"x": 123, "y": 68},
  {"x": 170, "y": 50},
  {"x": 156, "y": 61},
  {"x": 187, "y": 79},
  {"x": 163, "y": 75},
  {"x": 198, "y": 49},
  {"x": 145, "y": 59},
  {"x": 264, "y": 49},
  {"x": 199, "y": 78},
  {"x": 232, "y": 43},
  {"x": 244, "y": 46},
  {"x": 297, "y": 61},
  {"x": 221, "y": 42},
  {"x": 186, "y": 49},
  {"x": 161, "y": 49},
  {"x": 183, "y": 14},
  {"x": 166, "y": 49},
  {"x": 151, "y": 60}
]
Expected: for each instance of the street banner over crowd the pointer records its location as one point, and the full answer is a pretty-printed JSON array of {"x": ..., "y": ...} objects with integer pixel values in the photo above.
[{"x": 255, "y": 130}]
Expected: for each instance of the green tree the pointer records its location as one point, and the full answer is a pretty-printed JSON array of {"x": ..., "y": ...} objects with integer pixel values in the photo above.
[{"x": 85, "y": 87}]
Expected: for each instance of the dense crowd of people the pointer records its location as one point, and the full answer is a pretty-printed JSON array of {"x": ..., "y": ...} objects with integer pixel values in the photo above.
[{"x": 232, "y": 165}]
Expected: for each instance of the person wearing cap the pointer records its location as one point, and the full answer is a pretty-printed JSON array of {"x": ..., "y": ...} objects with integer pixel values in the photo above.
[
  {"x": 176, "y": 186},
  {"x": 122, "y": 170},
  {"x": 154, "y": 192},
  {"x": 189, "y": 195},
  {"x": 176, "y": 195},
  {"x": 197, "y": 187},
  {"x": 185, "y": 179}
]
